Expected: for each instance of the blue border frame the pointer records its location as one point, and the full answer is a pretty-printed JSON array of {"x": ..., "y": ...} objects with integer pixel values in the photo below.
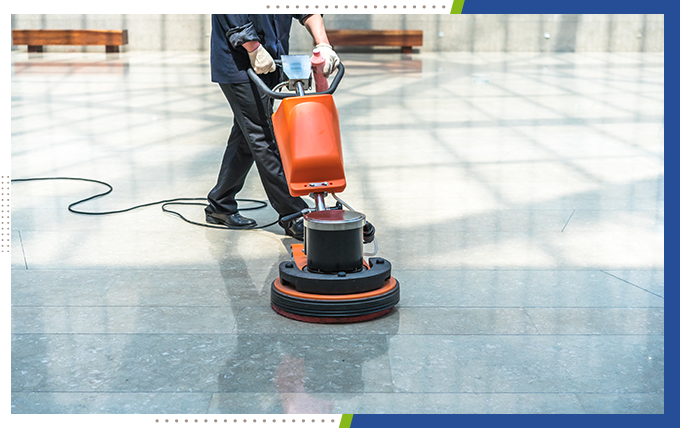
[
  {"x": 657, "y": 421},
  {"x": 570, "y": 6}
]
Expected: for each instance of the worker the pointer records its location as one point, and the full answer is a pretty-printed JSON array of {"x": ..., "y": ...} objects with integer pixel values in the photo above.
[{"x": 239, "y": 42}]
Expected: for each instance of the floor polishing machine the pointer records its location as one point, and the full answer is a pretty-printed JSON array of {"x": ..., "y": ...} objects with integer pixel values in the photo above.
[{"x": 328, "y": 280}]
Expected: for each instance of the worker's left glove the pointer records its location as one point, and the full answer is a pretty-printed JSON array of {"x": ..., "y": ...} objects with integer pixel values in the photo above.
[
  {"x": 330, "y": 56},
  {"x": 261, "y": 61}
]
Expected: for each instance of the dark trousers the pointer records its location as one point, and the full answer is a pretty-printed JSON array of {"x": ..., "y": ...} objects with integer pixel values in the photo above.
[{"x": 251, "y": 140}]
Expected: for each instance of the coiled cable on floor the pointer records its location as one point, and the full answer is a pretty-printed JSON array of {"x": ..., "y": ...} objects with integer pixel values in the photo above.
[{"x": 165, "y": 203}]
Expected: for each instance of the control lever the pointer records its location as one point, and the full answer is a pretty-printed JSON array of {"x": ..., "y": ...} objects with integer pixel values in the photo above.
[{"x": 293, "y": 216}]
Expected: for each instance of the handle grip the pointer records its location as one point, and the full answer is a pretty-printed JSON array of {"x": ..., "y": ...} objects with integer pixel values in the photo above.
[{"x": 279, "y": 96}]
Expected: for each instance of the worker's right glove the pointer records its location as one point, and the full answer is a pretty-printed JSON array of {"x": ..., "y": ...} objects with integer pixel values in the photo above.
[
  {"x": 261, "y": 61},
  {"x": 330, "y": 56}
]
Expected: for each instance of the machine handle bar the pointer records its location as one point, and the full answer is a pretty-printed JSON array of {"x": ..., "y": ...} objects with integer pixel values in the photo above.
[{"x": 279, "y": 96}]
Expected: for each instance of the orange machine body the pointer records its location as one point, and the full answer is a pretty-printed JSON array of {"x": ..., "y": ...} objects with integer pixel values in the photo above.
[{"x": 307, "y": 132}]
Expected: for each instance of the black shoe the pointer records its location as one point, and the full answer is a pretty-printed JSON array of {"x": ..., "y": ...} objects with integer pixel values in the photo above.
[
  {"x": 294, "y": 228},
  {"x": 236, "y": 220}
]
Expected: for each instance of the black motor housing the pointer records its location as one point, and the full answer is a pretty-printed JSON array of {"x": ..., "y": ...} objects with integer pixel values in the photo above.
[{"x": 334, "y": 241}]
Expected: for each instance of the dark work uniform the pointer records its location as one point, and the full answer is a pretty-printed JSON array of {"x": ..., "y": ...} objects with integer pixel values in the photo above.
[{"x": 251, "y": 139}]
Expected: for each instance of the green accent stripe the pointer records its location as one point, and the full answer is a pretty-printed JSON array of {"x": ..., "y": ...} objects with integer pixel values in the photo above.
[
  {"x": 346, "y": 421},
  {"x": 457, "y": 6}
]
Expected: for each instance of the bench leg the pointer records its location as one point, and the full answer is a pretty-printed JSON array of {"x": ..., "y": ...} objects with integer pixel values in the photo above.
[
  {"x": 407, "y": 49},
  {"x": 112, "y": 49},
  {"x": 35, "y": 49}
]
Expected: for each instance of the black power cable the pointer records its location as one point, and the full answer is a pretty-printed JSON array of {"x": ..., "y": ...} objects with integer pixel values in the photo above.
[{"x": 166, "y": 202}]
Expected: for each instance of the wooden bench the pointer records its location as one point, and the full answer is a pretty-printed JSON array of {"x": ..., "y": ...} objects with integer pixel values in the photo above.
[
  {"x": 406, "y": 39},
  {"x": 36, "y": 39}
]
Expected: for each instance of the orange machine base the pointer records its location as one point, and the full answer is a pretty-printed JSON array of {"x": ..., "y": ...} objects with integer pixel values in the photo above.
[{"x": 331, "y": 308}]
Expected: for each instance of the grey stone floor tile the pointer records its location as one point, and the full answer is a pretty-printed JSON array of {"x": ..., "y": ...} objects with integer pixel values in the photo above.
[
  {"x": 652, "y": 403},
  {"x": 526, "y": 364},
  {"x": 109, "y": 403},
  {"x": 605, "y": 321},
  {"x": 117, "y": 363},
  {"x": 199, "y": 363},
  {"x": 513, "y": 288},
  {"x": 110, "y": 249},
  {"x": 313, "y": 363},
  {"x": 444, "y": 245},
  {"x": 123, "y": 320},
  {"x": 141, "y": 288},
  {"x": 399, "y": 403}
]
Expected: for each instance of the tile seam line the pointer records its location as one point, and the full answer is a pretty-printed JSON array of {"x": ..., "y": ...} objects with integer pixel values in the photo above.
[
  {"x": 565, "y": 224},
  {"x": 526, "y": 313},
  {"x": 628, "y": 282},
  {"x": 23, "y": 251},
  {"x": 580, "y": 403}
]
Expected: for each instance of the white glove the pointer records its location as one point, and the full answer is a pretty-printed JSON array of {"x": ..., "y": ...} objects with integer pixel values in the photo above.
[
  {"x": 261, "y": 61},
  {"x": 330, "y": 56}
]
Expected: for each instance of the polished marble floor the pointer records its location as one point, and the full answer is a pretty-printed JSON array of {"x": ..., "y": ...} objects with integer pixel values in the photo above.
[{"x": 520, "y": 198}]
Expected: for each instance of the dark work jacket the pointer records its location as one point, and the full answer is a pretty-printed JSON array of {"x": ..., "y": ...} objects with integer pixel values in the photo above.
[{"x": 229, "y": 59}]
